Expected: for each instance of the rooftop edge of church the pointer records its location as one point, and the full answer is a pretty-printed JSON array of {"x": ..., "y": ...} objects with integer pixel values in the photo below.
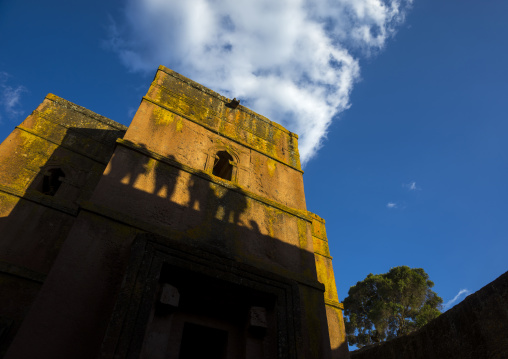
[{"x": 172, "y": 91}]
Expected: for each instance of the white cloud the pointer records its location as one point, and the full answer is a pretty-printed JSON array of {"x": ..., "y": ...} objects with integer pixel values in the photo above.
[
  {"x": 391, "y": 205},
  {"x": 131, "y": 111},
  {"x": 412, "y": 186},
  {"x": 462, "y": 293},
  {"x": 10, "y": 96},
  {"x": 289, "y": 60}
]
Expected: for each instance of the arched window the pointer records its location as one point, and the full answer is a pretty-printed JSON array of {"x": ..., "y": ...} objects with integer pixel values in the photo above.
[
  {"x": 222, "y": 166},
  {"x": 52, "y": 181}
]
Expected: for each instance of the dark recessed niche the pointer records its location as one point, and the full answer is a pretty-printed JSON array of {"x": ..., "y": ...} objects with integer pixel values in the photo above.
[
  {"x": 222, "y": 166},
  {"x": 52, "y": 181}
]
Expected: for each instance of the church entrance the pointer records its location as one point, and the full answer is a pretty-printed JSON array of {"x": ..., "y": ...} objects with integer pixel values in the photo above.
[
  {"x": 175, "y": 304},
  {"x": 196, "y": 316}
]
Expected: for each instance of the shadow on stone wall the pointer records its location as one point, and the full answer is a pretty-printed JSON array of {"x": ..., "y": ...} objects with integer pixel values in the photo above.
[
  {"x": 33, "y": 230},
  {"x": 475, "y": 328},
  {"x": 341, "y": 352},
  {"x": 32, "y": 233},
  {"x": 210, "y": 221}
]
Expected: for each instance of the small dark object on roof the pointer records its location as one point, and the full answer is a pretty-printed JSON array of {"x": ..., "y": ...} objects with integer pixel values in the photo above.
[{"x": 234, "y": 103}]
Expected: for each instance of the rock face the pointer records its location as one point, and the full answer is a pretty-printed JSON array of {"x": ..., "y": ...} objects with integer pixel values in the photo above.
[
  {"x": 185, "y": 235},
  {"x": 475, "y": 328}
]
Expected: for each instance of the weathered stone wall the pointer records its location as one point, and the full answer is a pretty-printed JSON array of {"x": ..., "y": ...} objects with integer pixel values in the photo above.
[
  {"x": 58, "y": 134},
  {"x": 250, "y": 231},
  {"x": 475, "y": 328},
  {"x": 34, "y": 225},
  {"x": 326, "y": 276},
  {"x": 183, "y": 120}
]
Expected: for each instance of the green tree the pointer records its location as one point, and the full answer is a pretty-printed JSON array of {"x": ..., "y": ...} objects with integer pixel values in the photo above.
[{"x": 385, "y": 306}]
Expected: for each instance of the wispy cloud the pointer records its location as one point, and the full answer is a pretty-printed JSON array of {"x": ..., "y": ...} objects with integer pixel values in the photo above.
[
  {"x": 10, "y": 97},
  {"x": 290, "y": 60},
  {"x": 391, "y": 205},
  {"x": 130, "y": 112},
  {"x": 412, "y": 186},
  {"x": 460, "y": 295}
]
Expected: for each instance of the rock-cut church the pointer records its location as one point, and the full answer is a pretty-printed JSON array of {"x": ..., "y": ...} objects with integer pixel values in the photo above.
[{"x": 184, "y": 235}]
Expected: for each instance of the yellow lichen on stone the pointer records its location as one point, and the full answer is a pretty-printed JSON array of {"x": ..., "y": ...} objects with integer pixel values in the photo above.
[
  {"x": 326, "y": 276},
  {"x": 302, "y": 234},
  {"x": 271, "y": 164},
  {"x": 7, "y": 203},
  {"x": 162, "y": 117},
  {"x": 179, "y": 125},
  {"x": 270, "y": 220}
]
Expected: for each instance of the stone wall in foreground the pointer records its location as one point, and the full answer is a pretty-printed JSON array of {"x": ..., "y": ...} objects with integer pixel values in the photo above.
[{"x": 475, "y": 328}]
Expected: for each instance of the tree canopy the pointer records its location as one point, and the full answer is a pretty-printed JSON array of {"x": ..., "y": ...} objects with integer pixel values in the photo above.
[{"x": 385, "y": 306}]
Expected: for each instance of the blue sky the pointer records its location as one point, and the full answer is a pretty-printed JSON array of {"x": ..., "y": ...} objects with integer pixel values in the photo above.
[{"x": 401, "y": 107}]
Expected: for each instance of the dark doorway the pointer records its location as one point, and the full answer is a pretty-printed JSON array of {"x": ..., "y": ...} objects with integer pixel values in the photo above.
[{"x": 203, "y": 342}]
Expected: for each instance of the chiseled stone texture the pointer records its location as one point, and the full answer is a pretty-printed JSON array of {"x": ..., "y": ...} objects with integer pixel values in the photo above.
[{"x": 476, "y": 328}]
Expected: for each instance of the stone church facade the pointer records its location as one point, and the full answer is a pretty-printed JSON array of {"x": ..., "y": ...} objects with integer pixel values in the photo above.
[{"x": 185, "y": 235}]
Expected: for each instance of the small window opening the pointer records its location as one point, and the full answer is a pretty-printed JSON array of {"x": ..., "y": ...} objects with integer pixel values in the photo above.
[
  {"x": 222, "y": 166},
  {"x": 52, "y": 181}
]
